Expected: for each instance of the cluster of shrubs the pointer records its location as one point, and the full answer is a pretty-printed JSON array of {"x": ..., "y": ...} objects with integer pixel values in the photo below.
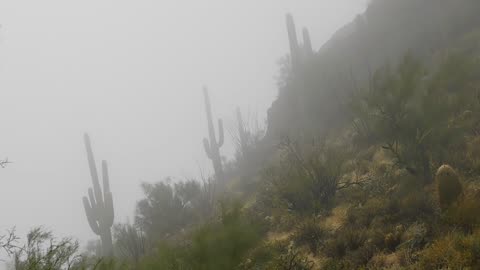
[{"x": 404, "y": 210}]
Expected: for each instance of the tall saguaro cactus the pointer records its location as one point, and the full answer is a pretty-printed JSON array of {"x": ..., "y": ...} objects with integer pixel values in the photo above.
[
  {"x": 293, "y": 41},
  {"x": 212, "y": 146},
  {"x": 298, "y": 53},
  {"x": 99, "y": 204}
]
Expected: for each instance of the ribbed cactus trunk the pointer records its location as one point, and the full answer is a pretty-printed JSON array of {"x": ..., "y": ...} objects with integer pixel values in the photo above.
[
  {"x": 211, "y": 145},
  {"x": 242, "y": 134},
  {"x": 99, "y": 204}
]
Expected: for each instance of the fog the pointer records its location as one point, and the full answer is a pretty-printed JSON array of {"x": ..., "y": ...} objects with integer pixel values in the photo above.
[{"x": 130, "y": 74}]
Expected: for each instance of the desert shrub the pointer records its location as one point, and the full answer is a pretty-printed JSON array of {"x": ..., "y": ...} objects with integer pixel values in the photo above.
[
  {"x": 389, "y": 103},
  {"x": 362, "y": 255},
  {"x": 392, "y": 261},
  {"x": 346, "y": 240},
  {"x": 262, "y": 255},
  {"x": 215, "y": 246},
  {"x": 334, "y": 264},
  {"x": 415, "y": 205},
  {"x": 363, "y": 215},
  {"x": 223, "y": 245},
  {"x": 411, "y": 114},
  {"x": 454, "y": 251},
  {"x": 292, "y": 260},
  {"x": 166, "y": 257},
  {"x": 311, "y": 234},
  {"x": 464, "y": 214},
  {"x": 43, "y": 251},
  {"x": 305, "y": 181},
  {"x": 167, "y": 208},
  {"x": 472, "y": 157},
  {"x": 130, "y": 242}
]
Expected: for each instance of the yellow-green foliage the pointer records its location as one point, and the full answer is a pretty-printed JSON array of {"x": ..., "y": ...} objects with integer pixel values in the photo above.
[
  {"x": 448, "y": 185},
  {"x": 465, "y": 214},
  {"x": 454, "y": 251}
]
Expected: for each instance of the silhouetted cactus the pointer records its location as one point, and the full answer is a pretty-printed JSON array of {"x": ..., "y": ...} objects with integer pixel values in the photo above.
[
  {"x": 448, "y": 184},
  {"x": 298, "y": 53},
  {"x": 212, "y": 146},
  {"x": 307, "y": 43},
  {"x": 99, "y": 205},
  {"x": 293, "y": 41},
  {"x": 242, "y": 134}
]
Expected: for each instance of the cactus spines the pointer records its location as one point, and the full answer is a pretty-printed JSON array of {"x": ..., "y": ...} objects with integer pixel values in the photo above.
[
  {"x": 99, "y": 205},
  {"x": 212, "y": 145},
  {"x": 448, "y": 185}
]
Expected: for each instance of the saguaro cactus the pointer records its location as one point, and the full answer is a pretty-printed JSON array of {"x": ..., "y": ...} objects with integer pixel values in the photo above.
[
  {"x": 242, "y": 134},
  {"x": 298, "y": 53},
  {"x": 307, "y": 43},
  {"x": 212, "y": 146},
  {"x": 99, "y": 205},
  {"x": 293, "y": 41}
]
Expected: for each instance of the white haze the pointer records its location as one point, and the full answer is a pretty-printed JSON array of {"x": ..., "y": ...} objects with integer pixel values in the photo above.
[{"x": 130, "y": 74}]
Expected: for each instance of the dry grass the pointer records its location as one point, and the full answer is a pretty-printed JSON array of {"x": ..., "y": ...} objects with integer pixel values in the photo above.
[{"x": 337, "y": 218}]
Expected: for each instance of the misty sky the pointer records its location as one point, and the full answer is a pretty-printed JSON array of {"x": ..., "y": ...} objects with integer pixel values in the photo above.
[{"x": 130, "y": 74}]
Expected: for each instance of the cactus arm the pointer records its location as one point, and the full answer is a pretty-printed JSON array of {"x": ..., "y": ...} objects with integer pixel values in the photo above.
[
  {"x": 91, "y": 216},
  {"x": 93, "y": 170},
  {"x": 207, "y": 147},
  {"x": 208, "y": 111},
  {"x": 242, "y": 133},
  {"x": 106, "y": 181},
  {"x": 292, "y": 39},
  {"x": 107, "y": 196},
  {"x": 93, "y": 203},
  {"x": 220, "y": 133},
  {"x": 307, "y": 43}
]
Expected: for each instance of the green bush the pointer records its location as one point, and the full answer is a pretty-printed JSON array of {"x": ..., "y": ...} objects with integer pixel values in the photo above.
[
  {"x": 215, "y": 246},
  {"x": 170, "y": 207},
  {"x": 306, "y": 180}
]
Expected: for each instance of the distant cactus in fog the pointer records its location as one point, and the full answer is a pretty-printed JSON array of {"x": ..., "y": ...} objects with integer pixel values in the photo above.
[
  {"x": 307, "y": 43},
  {"x": 242, "y": 134},
  {"x": 99, "y": 205},
  {"x": 212, "y": 145},
  {"x": 293, "y": 41},
  {"x": 298, "y": 53}
]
